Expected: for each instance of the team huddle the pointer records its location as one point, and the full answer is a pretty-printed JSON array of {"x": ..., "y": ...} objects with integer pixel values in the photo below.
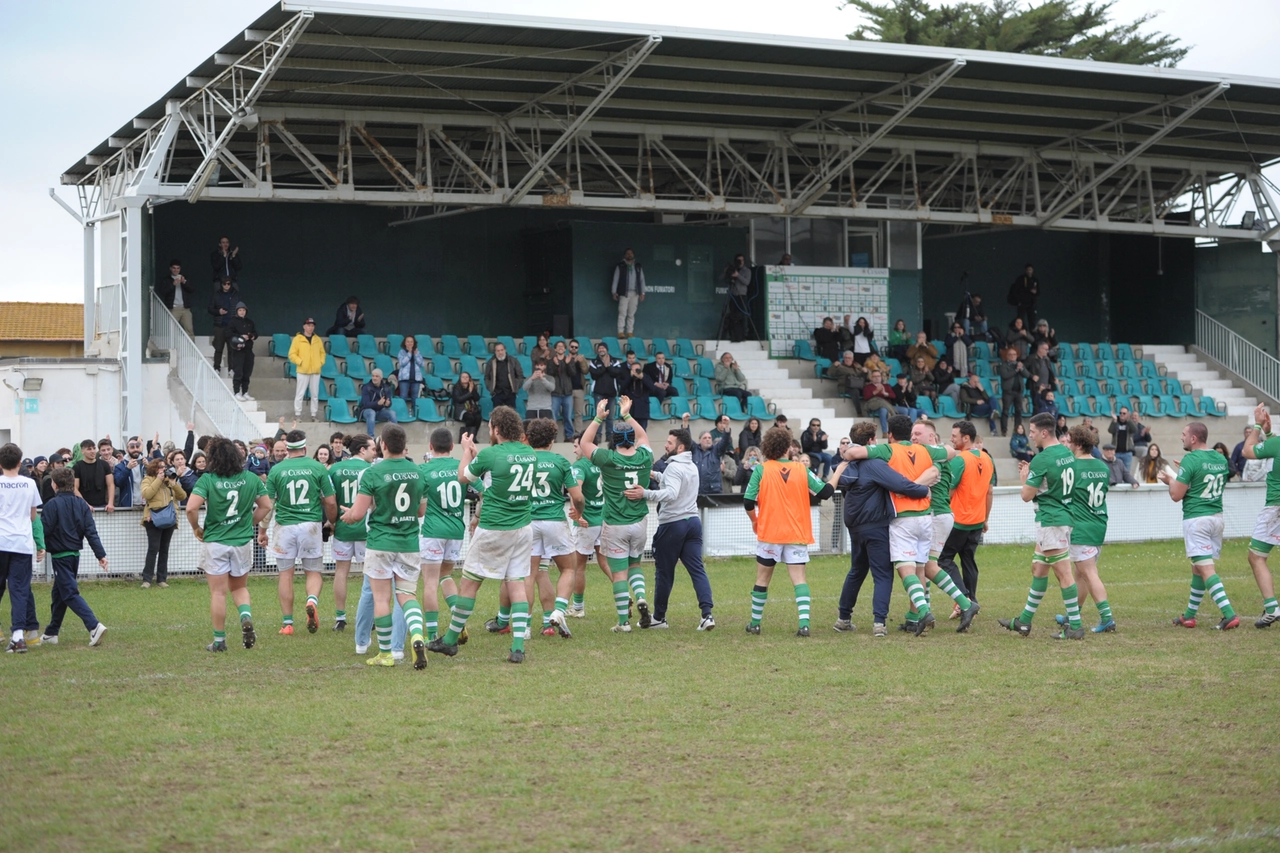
[{"x": 404, "y": 522}]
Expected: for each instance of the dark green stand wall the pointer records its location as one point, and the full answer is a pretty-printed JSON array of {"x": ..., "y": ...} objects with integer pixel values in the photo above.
[{"x": 1236, "y": 285}]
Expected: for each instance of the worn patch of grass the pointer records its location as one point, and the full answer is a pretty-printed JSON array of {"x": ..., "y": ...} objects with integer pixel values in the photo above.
[{"x": 658, "y": 741}]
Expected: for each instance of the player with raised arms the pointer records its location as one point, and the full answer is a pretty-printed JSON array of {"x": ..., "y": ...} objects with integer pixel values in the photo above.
[
  {"x": 586, "y": 530},
  {"x": 235, "y": 501},
  {"x": 391, "y": 494},
  {"x": 625, "y": 521}
]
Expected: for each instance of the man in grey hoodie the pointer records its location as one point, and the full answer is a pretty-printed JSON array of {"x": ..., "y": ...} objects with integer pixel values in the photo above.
[
  {"x": 679, "y": 533},
  {"x": 539, "y": 387}
]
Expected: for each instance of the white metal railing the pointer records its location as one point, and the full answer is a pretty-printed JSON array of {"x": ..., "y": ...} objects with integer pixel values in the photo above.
[
  {"x": 198, "y": 375},
  {"x": 1258, "y": 368},
  {"x": 107, "y": 310}
]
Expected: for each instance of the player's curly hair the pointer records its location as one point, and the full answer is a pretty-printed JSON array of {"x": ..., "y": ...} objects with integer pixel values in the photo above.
[
  {"x": 1082, "y": 438},
  {"x": 541, "y": 433},
  {"x": 506, "y": 421},
  {"x": 223, "y": 458},
  {"x": 776, "y": 443},
  {"x": 863, "y": 432}
]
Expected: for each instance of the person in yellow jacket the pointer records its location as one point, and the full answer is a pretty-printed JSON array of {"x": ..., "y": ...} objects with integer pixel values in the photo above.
[{"x": 307, "y": 354}]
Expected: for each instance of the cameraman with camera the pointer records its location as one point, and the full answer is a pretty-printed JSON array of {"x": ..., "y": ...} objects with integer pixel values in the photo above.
[
  {"x": 738, "y": 277},
  {"x": 242, "y": 333},
  {"x": 161, "y": 494}
]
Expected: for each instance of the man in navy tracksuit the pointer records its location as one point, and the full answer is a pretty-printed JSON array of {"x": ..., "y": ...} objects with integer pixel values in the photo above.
[
  {"x": 68, "y": 521},
  {"x": 868, "y": 509}
]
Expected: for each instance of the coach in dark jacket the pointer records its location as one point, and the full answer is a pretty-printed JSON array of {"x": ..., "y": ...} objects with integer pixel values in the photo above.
[{"x": 868, "y": 487}]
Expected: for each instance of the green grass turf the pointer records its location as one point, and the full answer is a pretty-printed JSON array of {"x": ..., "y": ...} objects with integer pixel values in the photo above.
[{"x": 658, "y": 740}]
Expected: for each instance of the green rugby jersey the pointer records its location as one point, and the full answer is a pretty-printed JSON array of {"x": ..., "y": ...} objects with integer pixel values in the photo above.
[
  {"x": 445, "y": 497},
  {"x": 396, "y": 486},
  {"x": 554, "y": 476},
  {"x": 297, "y": 485},
  {"x": 592, "y": 490},
  {"x": 1205, "y": 472},
  {"x": 940, "y": 492},
  {"x": 1053, "y": 471},
  {"x": 345, "y": 476},
  {"x": 228, "y": 503},
  {"x": 620, "y": 473},
  {"x": 1270, "y": 449},
  {"x": 508, "y": 493},
  {"x": 1089, "y": 502}
]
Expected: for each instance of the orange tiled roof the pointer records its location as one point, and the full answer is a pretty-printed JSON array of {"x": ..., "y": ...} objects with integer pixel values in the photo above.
[{"x": 41, "y": 321}]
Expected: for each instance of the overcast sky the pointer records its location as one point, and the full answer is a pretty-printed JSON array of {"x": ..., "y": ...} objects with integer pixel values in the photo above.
[{"x": 72, "y": 72}]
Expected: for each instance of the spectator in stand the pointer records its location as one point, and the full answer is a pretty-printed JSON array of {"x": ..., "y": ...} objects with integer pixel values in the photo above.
[
  {"x": 972, "y": 316},
  {"x": 1141, "y": 437},
  {"x": 410, "y": 369},
  {"x": 975, "y": 402},
  {"x": 579, "y": 372},
  {"x": 129, "y": 473},
  {"x": 957, "y": 346},
  {"x": 850, "y": 376},
  {"x": 161, "y": 492},
  {"x": 1042, "y": 377},
  {"x": 907, "y": 397},
  {"x": 222, "y": 308},
  {"x": 186, "y": 475},
  {"x": 1119, "y": 469},
  {"x": 465, "y": 397},
  {"x": 827, "y": 340},
  {"x": 258, "y": 462},
  {"x": 1152, "y": 464},
  {"x": 661, "y": 376},
  {"x": 922, "y": 347},
  {"x": 944, "y": 379},
  {"x": 728, "y": 460},
  {"x": 628, "y": 291},
  {"x": 781, "y": 421},
  {"x": 225, "y": 261},
  {"x": 730, "y": 379},
  {"x": 1060, "y": 426},
  {"x": 1019, "y": 445},
  {"x": 338, "y": 447},
  {"x": 1044, "y": 334},
  {"x": 920, "y": 378},
  {"x": 706, "y": 457},
  {"x": 308, "y": 357},
  {"x": 323, "y": 455},
  {"x": 503, "y": 377},
  {"x": 606, "y": 375},
  {"x": 375, "y": 402},
  {"x": 1231, "y": 472},
  {"x": 814, "y": 443},
  {"x": 1023, "y": 295},
  {"x": 858, "y": 338},
  {"x": 242, "y": 333},
  {"x": 749, "y": 437},
  {"x": 1047, "y": 403},
  {"x": 542, "y": 349},
  {"x": 56, "y": 461},
  {"x": 879, "y": 398},
  {"x": 178, "y": 295},
  {"x": 1019, "y": 337},
  {"x": 750, "y": 460},
  {"x": 1236, "y": 458},
  {"x": 1013, "y": 378},
  {"x": 538, "y": 387},
  {"x": 875, "y": 362},
  {"x": 899, "y": 340},
  {"x": 199, "y": 464},
  {"x": 638, "y": 388},
  {"x": 349, "y": 319},
  {"x": 67, "y": 523},
  {"x": 562, "y": 391}
]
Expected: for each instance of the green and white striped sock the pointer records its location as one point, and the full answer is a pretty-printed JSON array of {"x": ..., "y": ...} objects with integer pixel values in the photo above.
[
  {"x": 1071, "y": 600},
  {"x": 759, "y": 595},
  {"x": 462, "y": 608},
  {"x": 519, "y": 624},
  {"x": 413, "y": 621},
  {"x": 803, "y": 600}
]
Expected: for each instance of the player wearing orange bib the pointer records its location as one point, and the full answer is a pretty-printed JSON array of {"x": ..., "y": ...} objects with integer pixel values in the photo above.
[{"x": 777, "y": 502}]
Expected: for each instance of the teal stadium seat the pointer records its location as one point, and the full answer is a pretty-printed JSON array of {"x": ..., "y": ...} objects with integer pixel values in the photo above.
[
  {"x": 1066, "y": 368},
  {"x": 687, "y": 349},
  {"x": 526, "y": 363},
  {"x": 477, "y": 346},
  {"x": 367, "y": 345},
  {"x": 330, "y": 369},
  {"x": 732, "y": 407},
  {"x": 322, "y": 394},
  {"x": 339, "y": 346},
  {"x": 401, "y": 409},
  {"x": 339, "y": 412},
  {"x": 614, "y": 345},
  {"x": 441, "y": 366},
  {"x": 947, "y": 408},
  {"x": 280, "y": 345},
  {"x": 1105, "y": 352},
  {"x": 925, "y": 405},
  {"x": 706, "y": 408},
  {"x": 387, "y": 365},
  {"x": 680, "y": 407},
  {"x": 345, "y": 389},
  {"x": 1124, "y": 352},
  {"x": 706, "y": 367},
  {"x": 820, "y": 368},
  {"x": 586, "y": 347},
  {"x": 530, "y": 342},
  {"x": 471, "y": 364},
  {"x": 450, "y": 346},
  {"x": 1210, "y": 408},
  {"x": 396, "y": 342},
  {"x": 428, "y": 411},
  {"x": 356, "y": 368},
  {"x": 510, "y": 343},
  {"x": 680, "y": 368},
  {"x": 803, "y": 350},
  {"x": 659, "y": 345},
  {"x": 1066, "y": 352},
  {"x": 757, "y": 408}
]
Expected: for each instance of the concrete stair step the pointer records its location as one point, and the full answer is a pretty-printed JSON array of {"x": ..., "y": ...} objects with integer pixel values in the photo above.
[{"x": 1161, "y": 349}]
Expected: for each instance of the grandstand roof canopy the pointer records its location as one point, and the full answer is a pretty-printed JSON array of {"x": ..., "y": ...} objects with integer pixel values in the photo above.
[{"x": 439, "y": 110}]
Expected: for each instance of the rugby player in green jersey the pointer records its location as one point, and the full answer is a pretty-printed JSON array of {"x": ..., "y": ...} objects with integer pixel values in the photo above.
[
  {"x": 440, "y": 539},
  {"x": 302, "y": 493},
  {"x": 391, "y": 494},
  {"x": 586, "y": 531},
  {"x": 234, "y": 501},
  {"x": 1089, "y": 524},
  {"x": 1201, "y": 478},
  {"x": 348, "y": 539},
  {"x": 1261, "y": 444}
]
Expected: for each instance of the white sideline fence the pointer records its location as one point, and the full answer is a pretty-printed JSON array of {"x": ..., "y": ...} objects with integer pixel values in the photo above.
[{"x": 1136, "y": 515}]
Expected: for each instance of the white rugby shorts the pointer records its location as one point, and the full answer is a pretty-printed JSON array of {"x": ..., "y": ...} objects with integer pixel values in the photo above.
[
  {"x": 1080, "y": 553},
  {"x": 910, "y": 539},
  {"x": 348, "y": 551},
  {"x": 942, "y": 525},
  {"x": 1267, "y": 527},
  {"x": 552, "y": 539},
  {"x": 792, "y": 555},
  {"x": 219, "y": 559},
  {"x": 1203, "y": 536},
  {"x": 383, "y": 565},
  {"x": 500, "y": 554},
  {"x": 298, "y": 543},
  {"x": 586, "y": 539},
  {"x": 624, "y": 541},
  {"x": 1057, "y": 538},
  {"x": 435, "y": 551}
]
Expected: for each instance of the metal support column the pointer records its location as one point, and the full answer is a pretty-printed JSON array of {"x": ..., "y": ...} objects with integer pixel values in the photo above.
[
  {"x": 132, "y": 293},
  {"x": 90, "y": 292}
]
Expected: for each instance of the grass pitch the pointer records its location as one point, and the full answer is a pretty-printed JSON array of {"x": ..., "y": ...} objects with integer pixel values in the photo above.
[{"x": 1152, "y": 738}]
